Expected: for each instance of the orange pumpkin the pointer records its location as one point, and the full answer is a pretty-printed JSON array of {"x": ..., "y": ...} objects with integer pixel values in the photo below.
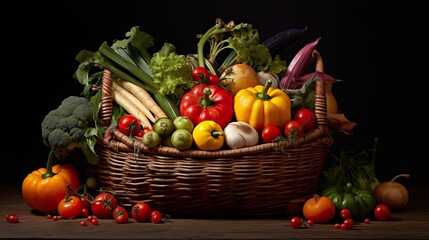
[{"x": 319, "y": 209}]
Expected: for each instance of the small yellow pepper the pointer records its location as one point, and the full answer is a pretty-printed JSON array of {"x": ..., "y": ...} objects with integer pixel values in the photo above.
[
  {"x": 208, "y": 135},
  {"x": 261, "y": 106}
]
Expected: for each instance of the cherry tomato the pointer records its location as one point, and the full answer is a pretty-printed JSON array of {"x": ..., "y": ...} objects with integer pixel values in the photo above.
[
  {"x": 129, "y": 125},
  {"x": 104, "y": 204},
  {"x": 12, "y": 218},
  {"x": 83, "y": 223},
  {"x": 70, "y": 207},
  {"x": 270, "y": 132},
  {"x": 306, "y": 118},
  {"x": 213, "y": 79},
  {"x": 200, "y": 74},
  {"x": 367, "y": 220},
  {"x": 49, "y": 216},
  {"x": 345, "y": 213},
  {"x": 84, "y": 213},
  {"x": 86, "y": 200},
  {"x": 310, "y": 222},
  {"x": 349, "y": 223},
  {"x": 295, "y": 222},
  {"x": 155, "y": 216},
  {"x": 94, "y": 221},
  {"x": 337, "y": 225},
  {"x": 93, "y": 184},
  {"x": 382, "y": 212},
  {"x": 141, "y": 212},
  {"x": 143, "y": 131},
  {"x": 120, "y": 215},
  {"x": 293, "y": 129},
  {"x": 55, "y": 218}
]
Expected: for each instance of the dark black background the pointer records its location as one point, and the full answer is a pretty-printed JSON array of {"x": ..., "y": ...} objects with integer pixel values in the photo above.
[{"x": 367, "y": 44}]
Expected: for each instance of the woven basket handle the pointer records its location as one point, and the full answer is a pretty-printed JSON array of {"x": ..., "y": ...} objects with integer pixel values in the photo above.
[
  {"x": 320, "y": 97},
  {"x": 319, "y": 61}
]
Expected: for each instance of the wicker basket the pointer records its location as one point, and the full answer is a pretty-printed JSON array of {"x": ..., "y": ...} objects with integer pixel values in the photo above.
[{"x": 251, "y": 181}]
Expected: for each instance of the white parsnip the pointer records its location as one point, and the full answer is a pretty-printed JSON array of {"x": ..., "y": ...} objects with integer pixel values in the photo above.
[
  {"x": 124, "y": 101},
  {"x": 144, "y": 97},
  {"x": 134, "y": 100}
]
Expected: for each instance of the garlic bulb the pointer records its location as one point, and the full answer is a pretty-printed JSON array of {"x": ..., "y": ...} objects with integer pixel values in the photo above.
[{"x": 240, "y": 134}]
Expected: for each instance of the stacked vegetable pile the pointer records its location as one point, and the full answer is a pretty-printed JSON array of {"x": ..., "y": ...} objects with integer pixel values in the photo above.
[
  {"x": 251, "y": 88},
  {"x": 238, "y": 94}
]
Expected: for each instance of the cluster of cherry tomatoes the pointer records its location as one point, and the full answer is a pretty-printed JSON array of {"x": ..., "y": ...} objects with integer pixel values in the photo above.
[
  {"x": 303, "y": 121},
  {"x": 104, "y": 206}
]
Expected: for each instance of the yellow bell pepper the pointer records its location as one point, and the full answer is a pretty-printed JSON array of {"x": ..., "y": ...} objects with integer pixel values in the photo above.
[
  {"x": 261, "y": 106},
  {"x": 208, "y": 135}
]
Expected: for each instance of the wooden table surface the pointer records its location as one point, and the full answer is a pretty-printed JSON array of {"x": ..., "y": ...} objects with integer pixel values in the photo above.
[{"x": 409, "y": 223}]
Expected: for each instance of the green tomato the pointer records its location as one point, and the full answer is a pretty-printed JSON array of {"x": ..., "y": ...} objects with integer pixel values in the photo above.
[
  {"x": 183, "y": 122},
  {"x": 151, "y": 139},
  {"x": 92, "y": 183},
  {"x": 163, "y": 126},
  {"x": 181, "y": 139}
]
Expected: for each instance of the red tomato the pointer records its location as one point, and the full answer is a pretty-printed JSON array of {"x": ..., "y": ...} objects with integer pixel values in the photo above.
[
  {"x": 143, "y": 131},
  {"x": 155, "y": 216},
  {"x": 345, "y": 213},
  {"x": 83, "y": 223},
  {"x": 382, "y": 212},
  {"x": 120, "y": 215},
  {"x": 12, "y": 218},
  {"x": 200, "y": 74},
  {"x": 86, "y": 200},
  {"x": 141, "y": 212},
  {"x": 306, "y": 118},
  {"x": 70, "y": 207},
  {"x": 94, "y": 221},
  {"x": 293, "y": 129},
  {"x": 320, "y": 209},
  {"x": 213, "y": 79},
  {"x": 84, "y": 213},
  {"x": 349, "y": 223},
  {"x": 129, "y": 125},
  {"x": 104, "y": 204},
  {"x": 295, "y": 222},
  {"x": 270, "y": 132}
]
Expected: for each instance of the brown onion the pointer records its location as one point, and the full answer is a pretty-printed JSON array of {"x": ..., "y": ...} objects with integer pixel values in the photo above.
[{"x": 391, "y": 193}]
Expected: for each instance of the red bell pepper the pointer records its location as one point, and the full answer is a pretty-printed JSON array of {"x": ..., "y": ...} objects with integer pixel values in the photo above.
[{"x": 207, "y": 102}]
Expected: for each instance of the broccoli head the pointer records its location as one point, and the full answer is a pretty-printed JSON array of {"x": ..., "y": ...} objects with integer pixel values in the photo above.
[{"x": 63, "y": 129}]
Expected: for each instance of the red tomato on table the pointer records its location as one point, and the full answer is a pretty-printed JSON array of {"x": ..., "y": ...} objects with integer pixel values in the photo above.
[
  {"x": 120, "y": 215},
  {"x": 70, "y": 207},
  {"x": 141, "y": 212},
  {"x": 103, "y": 205}
]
